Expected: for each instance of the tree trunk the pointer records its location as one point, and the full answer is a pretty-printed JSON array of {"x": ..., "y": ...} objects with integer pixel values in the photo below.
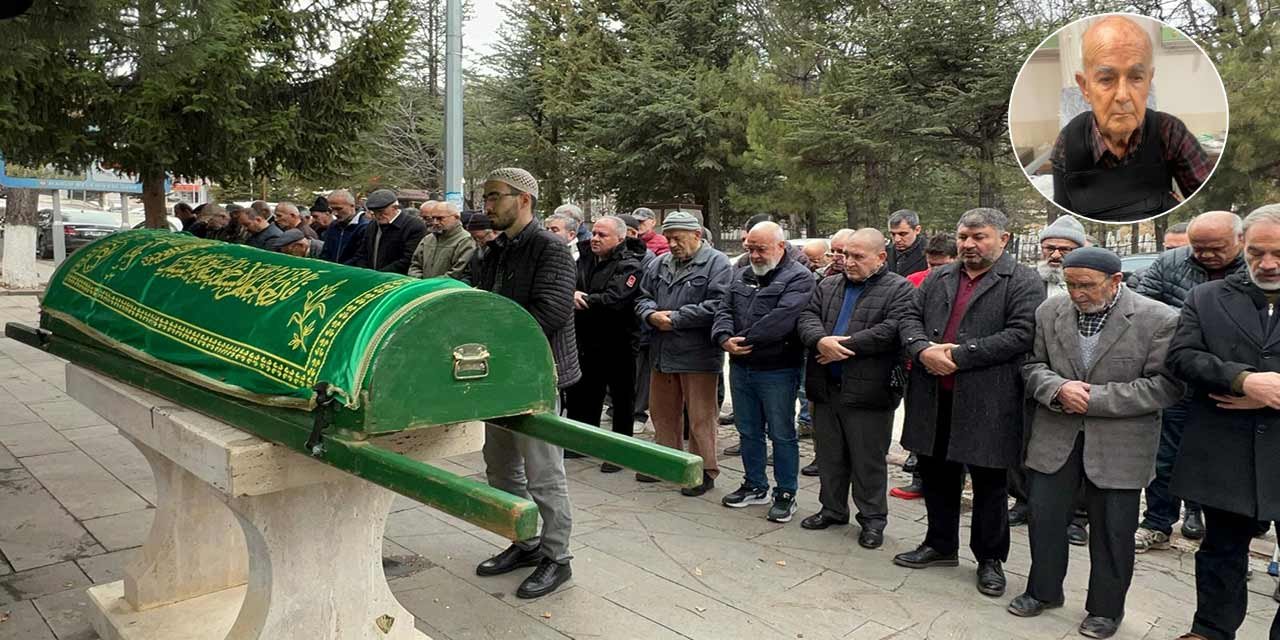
[
  {"x": 18, "y": 264},
  {"x": 1133, "y": 238},
  {"x": 153, "y": 203},
  {"x": 986, "y": 175},
  {"x": 850, "y": 199},
  {"x": 1161, "y": 225},
  {"x": 872, "y": 192},
  {"x": 811, "y": 223},
  {"x": 711, "y": 214}
]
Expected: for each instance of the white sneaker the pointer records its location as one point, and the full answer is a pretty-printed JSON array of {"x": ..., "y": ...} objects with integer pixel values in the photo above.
[{"x": 1145, "y": 540}]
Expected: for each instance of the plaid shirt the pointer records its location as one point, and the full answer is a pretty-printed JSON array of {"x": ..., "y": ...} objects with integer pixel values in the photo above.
[
  {"x": 1090, "y": 324},
  {"x": 1187, "y": 161}
]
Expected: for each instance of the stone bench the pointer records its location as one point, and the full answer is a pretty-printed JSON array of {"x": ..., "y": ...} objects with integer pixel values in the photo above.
[{"x": 251, "y": 540}]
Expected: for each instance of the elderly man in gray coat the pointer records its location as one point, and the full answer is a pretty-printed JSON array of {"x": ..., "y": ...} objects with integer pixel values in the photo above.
[{"x": 1098, "y": 377}]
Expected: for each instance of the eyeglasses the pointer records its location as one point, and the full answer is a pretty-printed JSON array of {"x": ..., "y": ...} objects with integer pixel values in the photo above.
[
  {"x": 494, "y": 196},
  {"x": 440, "y": 218},
  {"x": 1051, "y": 249}
]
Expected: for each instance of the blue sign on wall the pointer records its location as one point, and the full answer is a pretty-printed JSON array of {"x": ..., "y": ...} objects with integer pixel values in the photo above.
[{"x": 93, "y": 178}]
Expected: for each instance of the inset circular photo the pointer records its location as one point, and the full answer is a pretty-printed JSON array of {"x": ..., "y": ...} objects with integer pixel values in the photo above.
[{"x": 1118, "y": 117}]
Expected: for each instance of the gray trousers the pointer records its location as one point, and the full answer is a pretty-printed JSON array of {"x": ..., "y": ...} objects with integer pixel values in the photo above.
[
  {"x": 534, "y": 470},
  {"x": 851, "y": 445}
]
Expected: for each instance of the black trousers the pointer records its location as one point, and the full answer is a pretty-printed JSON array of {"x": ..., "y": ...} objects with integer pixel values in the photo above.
[
  {"x": 853, "y": 444},
  {"x": 1020, "y": 491},
  {"x": 1221, "y": 596},
  {"x": 642, "y": 383},
  {"x": 604, "y": 370},
  {"x": 943, "y": 485},
  {"x": 1113, "y": 517}
]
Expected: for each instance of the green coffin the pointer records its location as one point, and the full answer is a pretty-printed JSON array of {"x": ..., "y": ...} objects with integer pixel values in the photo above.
[{"x": 266, "y": 327}]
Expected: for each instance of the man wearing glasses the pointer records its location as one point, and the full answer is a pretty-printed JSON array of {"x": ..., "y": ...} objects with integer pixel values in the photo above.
[
  {"x": 391, "y": 238},
  {"x": 445, "y": 251},
  {"x": 532, "y": 267},
  {"x": 1065, "y": 235}
]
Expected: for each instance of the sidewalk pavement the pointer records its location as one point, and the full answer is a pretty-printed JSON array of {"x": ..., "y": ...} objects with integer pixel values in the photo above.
[{"x": 76, "y": 501}]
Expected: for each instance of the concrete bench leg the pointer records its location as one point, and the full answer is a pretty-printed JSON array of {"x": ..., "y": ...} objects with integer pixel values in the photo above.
[
  {"x": 315, "y": 558},
  {"x": 195, "y": 546}
]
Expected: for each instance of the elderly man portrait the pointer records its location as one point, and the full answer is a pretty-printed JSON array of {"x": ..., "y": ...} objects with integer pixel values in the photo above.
[
  {"x": 756, "y": 326},
  {"x": 392, "y": 236},
  {"x": 679, "y": 296},
  {"x": 1176, "y": 236},
  {"x": 1098, "y": 378},
  {"x": 532, "y": 267},
  {"x": 604, "y": 300},
  {"x": 1057, "y": 240},
  {"x": 968, "y": 334},
  {"x": 565, "y": 227},
  {"x": 835, "y": 252},
  {"x": 855, "y": 380},
  {"x": 447, "y": 247},
  {"x": 288, "y": 217},
  {"x": 1117, "y": 162},
  {"x": 345, "y": 234},
  {"x": 1215, "y": 252},
  {"x": 906, "y": 250},
  {"x": 1224, "y": 349}
]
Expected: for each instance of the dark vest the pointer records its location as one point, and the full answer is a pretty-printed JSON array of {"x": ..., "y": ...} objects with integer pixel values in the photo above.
[{"x": 1139, "y": 188}]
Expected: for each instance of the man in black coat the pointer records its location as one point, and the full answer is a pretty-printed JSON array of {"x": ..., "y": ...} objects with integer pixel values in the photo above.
[
  {"x": 906, "y": 252},
  {"x": 605, "y": 322},
  {"x": 1225, "y": 349},
  {"x": 532, "y": 267},
  {"x": 968, "y": 332},
  {"x": 392, "y": 237},
  {"x": 854, "y": 379}
]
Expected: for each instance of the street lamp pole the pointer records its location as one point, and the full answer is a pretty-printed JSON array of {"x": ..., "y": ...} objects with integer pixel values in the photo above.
[{"x": 453, "y": 104}]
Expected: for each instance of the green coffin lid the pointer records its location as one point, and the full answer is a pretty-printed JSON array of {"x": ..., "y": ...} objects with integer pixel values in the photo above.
[{"x": 267, "y": 327}]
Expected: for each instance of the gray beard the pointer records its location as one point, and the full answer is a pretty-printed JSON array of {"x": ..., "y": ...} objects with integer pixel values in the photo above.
[
  {"x": 1049, "y": 273},
  {"x": 1269, "y": 287}
]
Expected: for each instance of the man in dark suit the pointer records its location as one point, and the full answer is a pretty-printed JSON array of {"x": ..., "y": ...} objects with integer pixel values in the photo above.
[
  {"x": 1225, "y": 349},
  {"x": 392, "y": 237},
  {"x": 968, "y": 332},
  {"x": 1098, "y": 378}
]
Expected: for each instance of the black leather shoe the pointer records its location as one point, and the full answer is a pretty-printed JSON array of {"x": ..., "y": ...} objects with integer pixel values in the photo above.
[
  {"x": 1193, "y": 525},
  {"x": 1099, "y": 627},
  {"x": 924, "y": 557},
  {"x": 810, "y": 469},
  {"x": 708, "y": 483},
  {"x": 640, "y": 477},
  {"x": 1077, "y": 535},
  {"x": 726, "y": 418},
  {"x": 1019, "y": 513},
  {"x": 546, "y": 578},
  {"x": 991, "y": 580},
  {"x": 820, "y": 520},
  {"x": 871, "y": 538},
  {"x": 571, "y": 455},
  {"x": 609, "y": 467},
  {"x": 910, "y": 465},
  {"x": 1025, "y": 606},
  {"x": 514, "y": 557}
]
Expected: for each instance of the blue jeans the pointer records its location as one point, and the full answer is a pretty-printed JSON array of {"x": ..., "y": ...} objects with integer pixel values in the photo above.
[
  {"x": 1164, "y": 508},
  {"x": 767, "y": 399}
]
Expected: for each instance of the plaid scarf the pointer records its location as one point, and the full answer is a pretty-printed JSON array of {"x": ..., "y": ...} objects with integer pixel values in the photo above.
[{"x": 1090, "y": 324}]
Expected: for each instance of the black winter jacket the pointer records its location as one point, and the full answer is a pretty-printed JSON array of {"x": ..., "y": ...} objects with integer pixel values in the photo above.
[
  {"x": 907, "y": 262},
  {"x": 764, "y": 310},
  {"x": 1227, "y": 458},
  {"x": 871, "y": 379},
  {"x": 1174, "y": 274},
  {"x": 612, "y": 284},
  {"x": 535, "y": 270},
  {"x": 396, "y": 243}
]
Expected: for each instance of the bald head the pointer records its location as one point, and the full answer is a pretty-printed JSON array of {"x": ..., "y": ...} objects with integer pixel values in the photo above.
[
  {"x": 765, "y": 244},
  {"x": 864, "y": 254},
  {"x": 1115, "y": 33},
  {"x": 1116, "y": 78},
  {"x": 816, "y": 251},
  {"x": 1216, "y": 238}
]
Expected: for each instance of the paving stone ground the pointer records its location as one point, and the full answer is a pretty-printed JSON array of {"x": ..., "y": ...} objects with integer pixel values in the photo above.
[{"x": 76, "y": 500}]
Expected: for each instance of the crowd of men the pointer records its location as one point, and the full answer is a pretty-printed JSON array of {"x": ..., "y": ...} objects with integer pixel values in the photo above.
[{"x": 1058, "y": 384}]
